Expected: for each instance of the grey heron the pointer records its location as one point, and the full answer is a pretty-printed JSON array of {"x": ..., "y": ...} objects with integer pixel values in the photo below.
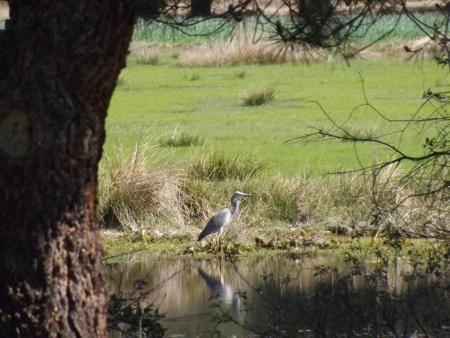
[{"x": 222, "y": 217}]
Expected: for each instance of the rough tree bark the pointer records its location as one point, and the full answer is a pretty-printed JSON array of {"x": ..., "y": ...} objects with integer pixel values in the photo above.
[
  {"x": 149, "y": 8},
  {"x": 200, "y": 8},
  {"x": 59, "y": 62}
]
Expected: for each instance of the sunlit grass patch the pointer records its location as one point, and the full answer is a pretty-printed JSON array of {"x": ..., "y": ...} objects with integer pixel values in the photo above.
[{"x": 161, "y": 99}]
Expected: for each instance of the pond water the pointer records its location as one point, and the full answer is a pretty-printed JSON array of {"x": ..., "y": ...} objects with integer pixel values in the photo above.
[{"x": 282, "y": 297}]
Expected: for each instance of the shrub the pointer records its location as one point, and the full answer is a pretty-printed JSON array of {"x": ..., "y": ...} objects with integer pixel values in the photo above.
[{"x": 257, "y": 97}]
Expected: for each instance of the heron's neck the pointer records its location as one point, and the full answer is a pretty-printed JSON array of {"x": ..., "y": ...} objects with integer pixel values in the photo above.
[{"x": 234, "y": 207}]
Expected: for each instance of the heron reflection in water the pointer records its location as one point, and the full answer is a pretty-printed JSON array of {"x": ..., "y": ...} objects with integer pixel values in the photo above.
[{"x": 224, "y": 293}]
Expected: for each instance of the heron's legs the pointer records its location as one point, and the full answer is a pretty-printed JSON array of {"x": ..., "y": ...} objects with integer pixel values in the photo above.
[{"x": 220, "y": 239}]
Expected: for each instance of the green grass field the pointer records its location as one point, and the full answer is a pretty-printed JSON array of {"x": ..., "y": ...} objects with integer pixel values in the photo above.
[{"x": 158, "y": 101}]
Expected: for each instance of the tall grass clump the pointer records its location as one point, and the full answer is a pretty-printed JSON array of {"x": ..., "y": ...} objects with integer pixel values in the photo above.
[
  {"x": 196, "y": 197},
  {"x": 219, "y": 30},
  {"x": 134, "y": 195},
  {"x": 358, "y": 131},
  {"x": 301, "y": 200},
  {"x": 258, "y": 96},
  {"x": 181, "y": 140},
  {"x": 122, "y": 81},
  {"x": 278, "y": 198},
  {"x": 146, "y": 59},
  {"x": 364, "y": 202},
  {"x": 217, "y": 166},
  {"x": 406, "y": 29},
  {"x": 193, "y": 77},
  {"x": 203, "y": 31},
  {"x": 241, "y": 74},
  {"x": 245, "y": 52}
]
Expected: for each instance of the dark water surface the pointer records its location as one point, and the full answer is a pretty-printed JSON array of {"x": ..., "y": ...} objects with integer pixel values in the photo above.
[{"x": 282, "y": 297}]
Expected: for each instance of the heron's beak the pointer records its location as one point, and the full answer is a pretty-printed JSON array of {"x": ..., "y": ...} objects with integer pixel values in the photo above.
[{"x": 241, "y": 194}]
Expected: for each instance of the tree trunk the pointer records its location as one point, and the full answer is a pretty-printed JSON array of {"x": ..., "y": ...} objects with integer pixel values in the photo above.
[
  {"x": 59, "y": 62},
  {"x": 149, "y": 8},
  {"x": 200, "y": 8}
]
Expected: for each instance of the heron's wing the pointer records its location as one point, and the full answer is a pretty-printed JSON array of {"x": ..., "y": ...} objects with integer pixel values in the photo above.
[{"x": 217, "y": 221}]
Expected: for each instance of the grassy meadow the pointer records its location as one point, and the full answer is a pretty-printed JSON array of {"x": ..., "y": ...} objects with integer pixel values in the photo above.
[
  {"x": 181, "y": 138},
  {"x": 166, "y": 101}
]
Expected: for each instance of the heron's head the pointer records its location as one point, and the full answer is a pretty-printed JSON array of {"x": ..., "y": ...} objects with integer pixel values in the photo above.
[
  {"x": 234, "y": 200},
  {"x": 239, "y": 194}
]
